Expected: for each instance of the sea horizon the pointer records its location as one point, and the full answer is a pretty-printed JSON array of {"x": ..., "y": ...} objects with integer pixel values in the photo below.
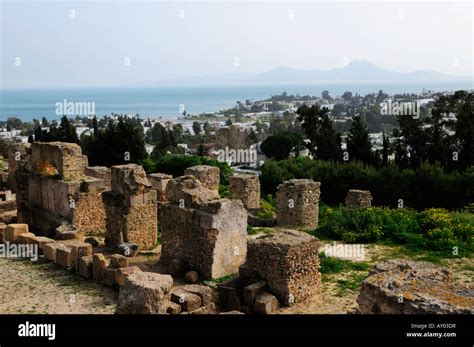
[{"x": 167, "y": 102}]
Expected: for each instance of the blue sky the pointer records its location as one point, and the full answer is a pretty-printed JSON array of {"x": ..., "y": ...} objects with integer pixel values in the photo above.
[{"x": 127, "y": 43}]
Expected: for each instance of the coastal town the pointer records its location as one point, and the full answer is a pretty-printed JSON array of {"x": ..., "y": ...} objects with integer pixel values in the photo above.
[{"x": 249, "y": 122}]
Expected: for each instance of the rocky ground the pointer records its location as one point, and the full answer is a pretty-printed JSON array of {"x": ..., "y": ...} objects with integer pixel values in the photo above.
[{"x": 43, "y": 287}]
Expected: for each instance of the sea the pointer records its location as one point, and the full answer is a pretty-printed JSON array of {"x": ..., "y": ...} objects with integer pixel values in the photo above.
[{"x": 168, "y": 102}]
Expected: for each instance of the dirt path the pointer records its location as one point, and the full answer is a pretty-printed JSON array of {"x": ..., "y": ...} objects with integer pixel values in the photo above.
[{"x": 43, "y": 287}]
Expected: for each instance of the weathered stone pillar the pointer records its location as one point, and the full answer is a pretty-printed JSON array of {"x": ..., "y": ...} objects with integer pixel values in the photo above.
[
  {"x": 130, "y": 207},
  {"x": 358, "y": 198},
  {"x": 298, "y": 203},
  {"x": 245, "y": 187},
  {"x": 209, "y": 176}
]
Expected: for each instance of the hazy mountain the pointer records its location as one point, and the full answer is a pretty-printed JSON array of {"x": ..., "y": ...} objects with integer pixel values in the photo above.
[{"x": 358, "y": 70}]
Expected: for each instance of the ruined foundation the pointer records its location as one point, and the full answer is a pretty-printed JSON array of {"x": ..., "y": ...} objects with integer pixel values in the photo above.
[{"x": 298, "y": 203}]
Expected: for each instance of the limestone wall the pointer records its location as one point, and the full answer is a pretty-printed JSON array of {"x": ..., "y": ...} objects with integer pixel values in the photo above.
[
  {"x": 130, "y": 208},
  {"x": 210, "y": 239},
  {"x": 54, "y": 190}
]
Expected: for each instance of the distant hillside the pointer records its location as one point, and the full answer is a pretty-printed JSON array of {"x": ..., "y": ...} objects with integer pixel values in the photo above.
[{"x": 359, "y": 70}]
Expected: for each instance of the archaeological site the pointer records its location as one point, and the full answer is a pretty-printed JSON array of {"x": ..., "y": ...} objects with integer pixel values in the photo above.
[{"x": 177, "y": 245}]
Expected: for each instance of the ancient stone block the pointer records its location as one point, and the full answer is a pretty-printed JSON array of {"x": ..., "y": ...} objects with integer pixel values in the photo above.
[
  {"x": 266, "y": 303},
  {"x": 207, "y": 309},
  {"x": 85, "y": 266},
  {"x": 66, "y": 232},
  {"x": 92, "y": 185},
  {"x": 99, "y": 263},
  {"x": 209, "y": 176},
  {"x": 245, "y": 187},
  {"x": 400, "y": 286},
  {"x": 188, "y": 191},
  {"x": 101, "y": 172},
  {"x": 41, "y": 241},
  {"x": 79, "y": 250},
  {"x": 14, "y": 230},
  {"x": 288, "y": 261},
  {"x": 26, "y": 239},
  {"x": 188, "y": 301},
  {"x": 64, "y": 256},
  {"x": 298, "y": 203},
  {"x": 252, "y": 291},
  {"x": 49, "y": 250},
  {"x": 144, "y": 293},
  {"x": 204, "y": 292},
  {"x": 58, "y": 158},
  {"x": 129, "y": 179},
  {"x": 358, "y": 198},
  {"x": 122, "y": 273},
  {"x": 118, "y": 260},
  {"x": 159, "y": 182},
  {"x": 211, "y": 240}
]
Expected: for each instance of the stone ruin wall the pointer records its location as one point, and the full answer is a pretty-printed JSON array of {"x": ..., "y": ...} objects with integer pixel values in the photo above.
[
  {"x": 53, "y": 190},
  {"x": 298, "y": 203},
  {"x": 358, "y": 198},
  {"x": 130, "y": 208},
  {"x": 245, "y": 187},
  {"x": 200, "y": 231}
]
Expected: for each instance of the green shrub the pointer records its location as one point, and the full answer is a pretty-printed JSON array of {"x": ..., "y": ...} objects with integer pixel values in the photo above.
[
  {"x": 434, "y": 229},
  {"x": 267, "y": 208}
]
